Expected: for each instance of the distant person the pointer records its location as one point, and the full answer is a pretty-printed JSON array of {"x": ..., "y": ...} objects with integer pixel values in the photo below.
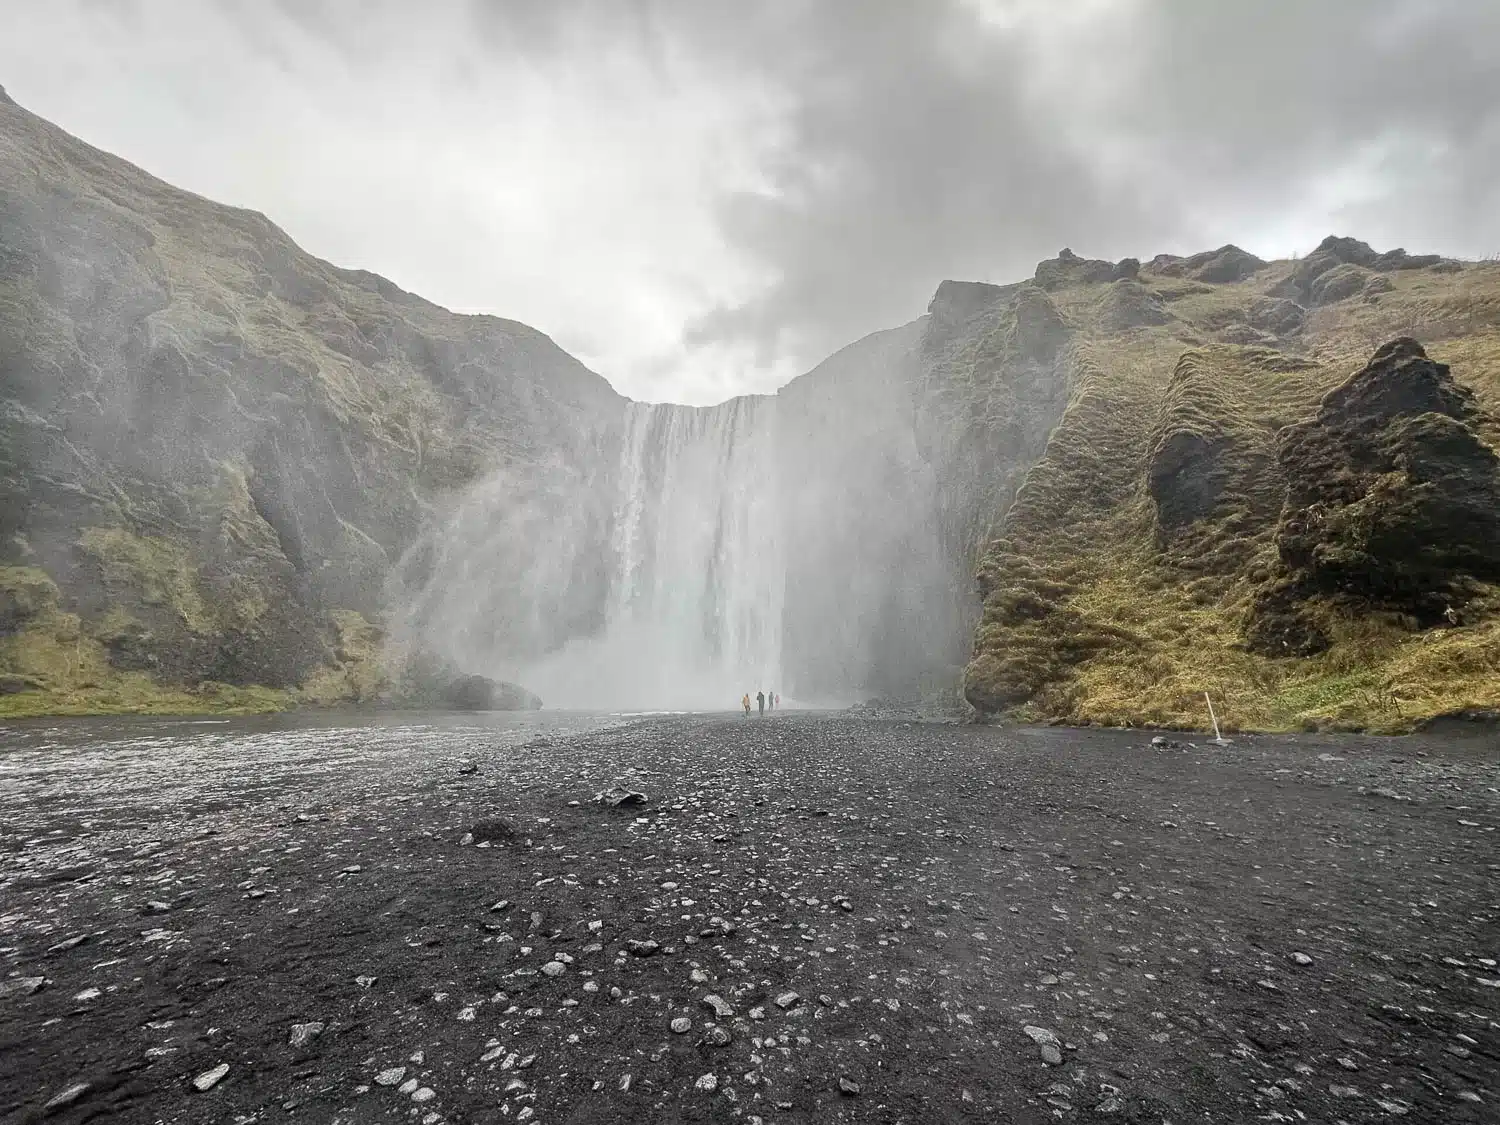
[
  {"x": 746, "y": 704},
  {"x": 778, "y": 702},
  {"x": 760, "y": 697}
]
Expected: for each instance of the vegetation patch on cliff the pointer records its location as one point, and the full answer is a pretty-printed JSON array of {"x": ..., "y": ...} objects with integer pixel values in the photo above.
[{"x": 1146, "y": 543}]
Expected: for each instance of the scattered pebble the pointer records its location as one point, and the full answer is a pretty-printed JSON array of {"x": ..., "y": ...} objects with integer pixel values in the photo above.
[
  {"x": 305, "y": 1033},
  {"x": 210, "y": 1078}
]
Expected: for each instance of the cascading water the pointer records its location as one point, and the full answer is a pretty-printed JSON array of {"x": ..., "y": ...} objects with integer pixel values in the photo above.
[
  {"x": 679, "y": 557},
  {"x": 696, "y": 578}
]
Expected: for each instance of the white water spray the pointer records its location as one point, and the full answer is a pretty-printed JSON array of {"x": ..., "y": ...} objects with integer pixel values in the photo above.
[{"x": 697, "y": 570}]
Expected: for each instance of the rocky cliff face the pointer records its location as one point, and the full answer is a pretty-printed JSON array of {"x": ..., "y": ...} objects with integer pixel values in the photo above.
[
  {"x": 214, "y": 447},
  {"x": 234, "y": 475},
  {"x": 1223, "y": 507}
]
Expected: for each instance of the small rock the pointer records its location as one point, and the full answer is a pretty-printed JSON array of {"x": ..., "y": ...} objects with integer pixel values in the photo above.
[
  {"x": 21, "y": 986},
  {"x": 709, "y": 1082},
  {"x": 720, "y": 1007},
  {"x": 305, "y": 1033},
  {"x": 364, "y": 982},
  {"x": 66, "y": 1097},
  {"x": 210, "y": 1078},
  {"x": 390, "y": 1076},
  {"x": 643, "y": 948},
  {"x": 1343, "y": 1091},
  {"x": 787, "y": 999},
  {"x": 1051, "y": 1047},
  {"x": 1112, "y": 1104},
  {"x": 617, "y": 795},
  {"x": 1301, "y": 959},
  {"x": 68, "y": 943},
  {"x": 848, "y": 1089},
  {"x": 88, "y": 994},
  {"x": 718, "y": 1037},
  {"x": 554, "y": 968},
  {"x": 423, "y": 1094},
  {"x": 468, "y": 767},
  {"x": 492, "y": 830},
  {"x": 682, "y": 1025}
]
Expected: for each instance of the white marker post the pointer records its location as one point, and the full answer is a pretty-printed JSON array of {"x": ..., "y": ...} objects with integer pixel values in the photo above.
[{"x": 1219, "y": 739}]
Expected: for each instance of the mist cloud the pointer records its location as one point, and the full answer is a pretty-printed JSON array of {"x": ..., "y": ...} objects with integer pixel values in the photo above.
[{"x": 703, "y": 198}]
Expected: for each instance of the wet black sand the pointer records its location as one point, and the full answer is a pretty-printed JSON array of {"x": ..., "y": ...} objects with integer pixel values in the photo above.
[{"x": 1286, "y": 929}]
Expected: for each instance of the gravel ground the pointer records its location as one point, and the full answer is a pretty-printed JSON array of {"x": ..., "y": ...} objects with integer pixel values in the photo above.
[{"x": 810, "y": 919}]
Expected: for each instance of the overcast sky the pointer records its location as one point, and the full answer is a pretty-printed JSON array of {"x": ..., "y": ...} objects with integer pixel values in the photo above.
[{"x": 705, "y": 197}]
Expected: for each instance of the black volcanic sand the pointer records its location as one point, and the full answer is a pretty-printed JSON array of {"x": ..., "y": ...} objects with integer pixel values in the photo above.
[{"x": 1286, "y": 929}]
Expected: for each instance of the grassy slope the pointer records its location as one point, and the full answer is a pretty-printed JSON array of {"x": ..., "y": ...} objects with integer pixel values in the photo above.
[
  {"x": 1097, "y": 617},
  {"x": 421, "y": 401}
]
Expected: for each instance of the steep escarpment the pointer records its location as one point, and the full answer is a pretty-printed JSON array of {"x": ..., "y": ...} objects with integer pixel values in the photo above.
[
  {"x": 214, "y": 447},
  {"x": 1262, "y": 487},
  {"x": 232, "y": 475}
]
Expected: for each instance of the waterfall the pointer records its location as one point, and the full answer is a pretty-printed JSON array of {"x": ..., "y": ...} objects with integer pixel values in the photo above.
[
  {"x": 696, "y": 570},
  {"x": 681, "y": 556}
]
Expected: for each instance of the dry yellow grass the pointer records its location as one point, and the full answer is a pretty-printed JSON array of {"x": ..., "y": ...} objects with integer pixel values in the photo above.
[{"x": 1094, "y": 615}]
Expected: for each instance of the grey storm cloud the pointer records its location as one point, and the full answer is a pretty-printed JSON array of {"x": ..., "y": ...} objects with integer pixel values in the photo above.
[{"x": 703, "y": 197}]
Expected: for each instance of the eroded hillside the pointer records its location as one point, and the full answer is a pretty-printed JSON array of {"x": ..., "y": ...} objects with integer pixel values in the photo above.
[
  {"x": 1238, "y": 499},
  {"x": 225, "y": 465},
  {"x": 214, "y": 447}
]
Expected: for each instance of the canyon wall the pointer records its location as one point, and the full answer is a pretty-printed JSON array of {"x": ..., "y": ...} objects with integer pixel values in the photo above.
[{"x": 235, "y": 476}]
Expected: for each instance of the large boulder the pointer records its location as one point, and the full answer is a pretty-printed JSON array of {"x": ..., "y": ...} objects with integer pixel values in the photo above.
[
  {"x": 425, "y": 682},
  {"x": 480, "y": 693},
  {"x": 1276, "y": 315},
  {"x": 1341, "y": 267},
  {"x": 1069, "y": 269},
  {"x": 1337, "y": 284},
  {"x": 1392, "y": 499},
  {"x": 1223, "y": 266},
  {"x": 1129, "y": 304}
]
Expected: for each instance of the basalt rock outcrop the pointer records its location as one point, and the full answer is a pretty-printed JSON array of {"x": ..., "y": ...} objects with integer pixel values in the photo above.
[
  {"x": 1392, "y": 502},
  {"x": 1342, "y": 267},
  {"x": 1225, "y": 265},
  {"x": 1221, "y": 507}
]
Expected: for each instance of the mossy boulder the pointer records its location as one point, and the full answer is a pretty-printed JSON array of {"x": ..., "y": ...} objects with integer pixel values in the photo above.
[
  {"x": 1393, "y": 499},
  {"x": 1338, "y": 284},
  {"x": 26, "y": 593},
  {"x": 1069, "y": 269},
  {"x": 1128, "y": 304},
  {"x": 1226, "y": 265},
  {"x": 428, "y": 682}
]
